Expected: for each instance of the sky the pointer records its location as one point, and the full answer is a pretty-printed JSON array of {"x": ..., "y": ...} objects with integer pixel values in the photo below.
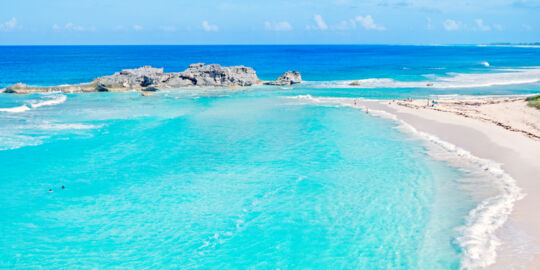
[{"x": 90, "y": 22}]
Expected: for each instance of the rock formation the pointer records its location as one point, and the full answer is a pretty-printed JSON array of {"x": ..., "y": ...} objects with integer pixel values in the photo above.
[
  {"x": 288, "y": 78},
  {"x": 152, "y": 79}
]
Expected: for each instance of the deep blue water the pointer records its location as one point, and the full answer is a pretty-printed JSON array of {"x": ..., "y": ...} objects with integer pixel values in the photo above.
[
  {"x": 51, "y": 65},
  {"x": 243, "y": 178}
]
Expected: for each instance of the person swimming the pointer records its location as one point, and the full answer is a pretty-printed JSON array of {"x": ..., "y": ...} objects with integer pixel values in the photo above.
[
  {"x": 63, "y": 187},
  {"x": 50, "y": 190}
]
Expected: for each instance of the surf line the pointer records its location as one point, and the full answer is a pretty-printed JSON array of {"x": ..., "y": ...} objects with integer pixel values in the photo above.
[
  {"x": 478, "y": 239},
  {"x": 35, "y": 104}
]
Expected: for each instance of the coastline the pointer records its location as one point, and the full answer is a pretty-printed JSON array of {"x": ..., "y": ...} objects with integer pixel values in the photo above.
[
  {"x": 502, "y": 232},
  {"x": 517, "y": 151}
]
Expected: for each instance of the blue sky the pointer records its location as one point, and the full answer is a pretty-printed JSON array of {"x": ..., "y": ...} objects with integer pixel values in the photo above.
[{"x": 268, "y": 22}]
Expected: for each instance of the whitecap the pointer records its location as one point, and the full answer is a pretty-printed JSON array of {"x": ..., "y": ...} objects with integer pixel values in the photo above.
[
  {"x": 77, "y": 126},
  {"x": 57, "y": 99},
  {"x": 14, "y": 141},
  {"x": 452, "y": 80},
  {"x": 17, "y": 109}
]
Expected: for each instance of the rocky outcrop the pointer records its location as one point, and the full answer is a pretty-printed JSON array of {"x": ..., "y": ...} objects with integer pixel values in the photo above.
[
  {"x": 151, "y": 79},
  {"x": 196, "y": 75},
  {"x": 216, "y": 75},
  {"x": 288, "y": 78},
  {"x": 13, "y": 89},
  {"x": 129, "y": 79},
  {"x": 21, "y": 88}
]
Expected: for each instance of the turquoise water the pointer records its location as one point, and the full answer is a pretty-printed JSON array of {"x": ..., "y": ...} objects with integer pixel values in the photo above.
[{"x": 236, "y": 179}]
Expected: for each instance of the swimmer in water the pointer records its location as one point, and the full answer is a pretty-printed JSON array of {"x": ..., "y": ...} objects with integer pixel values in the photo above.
[
  {"x": 63, "y": 187},
  {"x": 367, "y": 110},
  {"x": 50, "y": 190}
]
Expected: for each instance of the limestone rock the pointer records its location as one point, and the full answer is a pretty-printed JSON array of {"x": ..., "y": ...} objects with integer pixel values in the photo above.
[
  {"x": 288, "y": 78},
  {"x": 101, "y": 88},
  {"x": 131, "y": 78},
  {"x": 150, "y": 89},
  {"x": 14, "y": 88},
  {"x": 216, "y": 75},
  {"x": 147, "y": 93},
  {"x": 150, "y": 79}
]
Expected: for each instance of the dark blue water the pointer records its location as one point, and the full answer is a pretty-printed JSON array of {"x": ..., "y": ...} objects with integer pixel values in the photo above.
[{"x": 52, "y": 65}]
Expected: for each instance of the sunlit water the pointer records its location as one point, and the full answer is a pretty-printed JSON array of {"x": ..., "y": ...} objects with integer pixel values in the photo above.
[{"x": 232, "y": 178}]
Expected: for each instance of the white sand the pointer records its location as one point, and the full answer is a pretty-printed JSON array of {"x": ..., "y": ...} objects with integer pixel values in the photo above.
[{"x": 503, "y": 130}]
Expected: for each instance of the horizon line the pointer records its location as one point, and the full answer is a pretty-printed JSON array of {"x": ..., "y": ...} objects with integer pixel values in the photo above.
[{"x": 293, "y": 44}]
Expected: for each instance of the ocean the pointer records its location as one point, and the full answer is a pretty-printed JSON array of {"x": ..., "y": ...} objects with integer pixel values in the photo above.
[{"x": 261, "y": 177}]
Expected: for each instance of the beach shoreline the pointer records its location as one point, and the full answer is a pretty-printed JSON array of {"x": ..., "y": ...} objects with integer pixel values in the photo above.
[
  {"x": 495, "y": 134},
  {"x": 500, "y": 129}
]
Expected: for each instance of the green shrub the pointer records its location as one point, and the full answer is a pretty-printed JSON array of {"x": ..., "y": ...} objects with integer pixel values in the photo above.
[{"x": 534, "y": 101}]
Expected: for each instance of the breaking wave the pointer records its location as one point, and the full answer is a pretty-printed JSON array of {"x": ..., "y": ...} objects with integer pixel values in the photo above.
[
  {"x": 50, "y": 100},
  {"x": 55, "y": 100},
  {"x": 17, "y": 109},
  {"x": 454, "y": 80}
]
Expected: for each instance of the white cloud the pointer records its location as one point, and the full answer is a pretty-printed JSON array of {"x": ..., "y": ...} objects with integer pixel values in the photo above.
[
  {"x": 365, "y": 22},
  {"x": 10, "y": 25},
  {"x": 167, "y": 28},
  {"x": 321, "y": 25},
  {"x": 451, "y": 25},
  {"x": 137, "y": 27},
  {"x": 73, "y": 27},
  {"x": 209, "y": 27},
  {"x": 277, "y": 26},
  {"x": 368, "y": 23},
  {"x": 481, "y": 26}
]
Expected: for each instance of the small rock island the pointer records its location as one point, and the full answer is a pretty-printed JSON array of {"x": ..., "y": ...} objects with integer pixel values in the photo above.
[{"x": 150, "y": 79}]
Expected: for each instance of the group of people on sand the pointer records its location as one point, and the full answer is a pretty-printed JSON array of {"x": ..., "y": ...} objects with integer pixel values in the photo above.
[
  {"x": 356, "y": 103},
  {"x": 431, "y": 103}
]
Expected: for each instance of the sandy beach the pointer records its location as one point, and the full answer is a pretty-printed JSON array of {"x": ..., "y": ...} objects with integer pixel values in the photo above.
[{"x": 501, "y": 129}]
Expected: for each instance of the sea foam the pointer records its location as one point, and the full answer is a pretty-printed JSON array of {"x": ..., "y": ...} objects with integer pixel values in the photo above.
[
  {"x": 17, "y": 109},
  {"x": 49, "y": 101},
  {"x": 55, "y": 100},
  {"x": 454, "y": 80},
  {"x": 478, "y": 239}
]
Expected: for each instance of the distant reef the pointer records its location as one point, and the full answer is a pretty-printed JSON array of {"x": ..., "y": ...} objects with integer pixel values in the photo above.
[{"x": 150, "y": 79}]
